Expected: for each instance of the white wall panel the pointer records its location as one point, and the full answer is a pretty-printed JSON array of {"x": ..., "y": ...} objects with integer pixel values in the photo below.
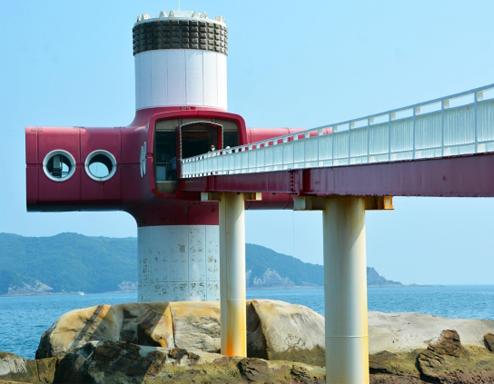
[
  {"x": 137, "y": 71},
  {"x": 179, "y": 245},
  {"x": 197, "y": 253},
  {"x": 213, "y": 291},
  {"x": 179, "y": 291},
  {"x": 194, "y": 75},
  {"x": 222, "y": 86},
  {"x": 175, "y": 66},
  {"x": 180, "y": 77},
  {"x": 145, "y": 73},
  {"x": 213, "y": 251},
  {"x": 159, "y": 91},
  {"x": 211, "y": 80},
  {"x": 197, "y": 291},
  {"x": 162, "y": 243}
]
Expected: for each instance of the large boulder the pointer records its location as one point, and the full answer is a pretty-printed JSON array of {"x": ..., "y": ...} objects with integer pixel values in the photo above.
[
  {"x": 276, "y": 330},
  {"x": 140, "y": 323},
  {"x": 405, "y": 332},
  {"x": 281, "y": 331}
]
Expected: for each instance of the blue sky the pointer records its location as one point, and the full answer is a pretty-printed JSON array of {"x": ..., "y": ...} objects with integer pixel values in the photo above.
[{"x": 290, "y": 64}]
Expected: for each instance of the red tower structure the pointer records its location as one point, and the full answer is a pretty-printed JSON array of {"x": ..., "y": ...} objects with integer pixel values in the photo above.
[{"x": 181, "y": 111}]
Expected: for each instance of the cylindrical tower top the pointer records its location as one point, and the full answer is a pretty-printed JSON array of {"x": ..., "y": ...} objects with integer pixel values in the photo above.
[
  {"x": 180, "y": 30},
  {"x": 180, "y": 60}
]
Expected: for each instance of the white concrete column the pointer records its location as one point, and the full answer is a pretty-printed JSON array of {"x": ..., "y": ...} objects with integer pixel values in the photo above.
[
  {"x": 345, "y": 291},
  {"x": 178, "y": 263},
  {"x": 232, "y": 274}
]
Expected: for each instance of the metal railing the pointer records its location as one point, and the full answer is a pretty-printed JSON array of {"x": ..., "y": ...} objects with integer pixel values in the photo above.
[{"x": 453, "y": 125}]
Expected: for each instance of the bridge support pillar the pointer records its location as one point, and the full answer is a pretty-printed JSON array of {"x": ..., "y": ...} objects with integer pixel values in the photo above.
[
  {"x": 345, "y": 282},
  {"x": 345, "y": 291},
  {"x": 232, "y": 274},
  {"x": 232, "y": 269}
]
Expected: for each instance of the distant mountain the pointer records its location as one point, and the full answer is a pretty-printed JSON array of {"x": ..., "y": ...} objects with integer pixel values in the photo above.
[
  {"x": 70, "y": 262},
  {"x": 266, "y": 268},
  {"x": 14, "y": 284}
]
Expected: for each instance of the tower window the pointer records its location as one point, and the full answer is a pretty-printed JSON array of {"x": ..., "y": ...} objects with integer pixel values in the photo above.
[
  {"x": 59, "y": 165},
  {"x": 100, "y": 165}
]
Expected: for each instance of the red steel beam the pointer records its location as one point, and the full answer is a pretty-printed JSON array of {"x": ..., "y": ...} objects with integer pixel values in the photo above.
[{"x": 455, "y": 176}]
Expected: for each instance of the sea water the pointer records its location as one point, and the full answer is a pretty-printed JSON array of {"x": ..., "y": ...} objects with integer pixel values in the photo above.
[{"x": 23, "y": 319}]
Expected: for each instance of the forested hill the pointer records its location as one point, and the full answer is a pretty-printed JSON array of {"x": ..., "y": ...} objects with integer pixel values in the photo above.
[
  {"x": 70, "y": 262},
  {"x": 267, "y": 268}
]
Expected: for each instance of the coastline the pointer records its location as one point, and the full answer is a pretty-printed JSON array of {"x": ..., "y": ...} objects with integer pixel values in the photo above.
[{"x": 248, "y": 289}]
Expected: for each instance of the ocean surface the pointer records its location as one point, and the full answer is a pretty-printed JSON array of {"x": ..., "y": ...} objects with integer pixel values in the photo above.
[{"x": 23, "y": 319}]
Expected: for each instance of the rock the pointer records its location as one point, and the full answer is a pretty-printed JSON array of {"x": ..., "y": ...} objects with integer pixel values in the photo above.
[
  {"x": 152, "y": 324},
  {"x": 46, "y": 369},
  {"x": 13, "y": 367},
  {"x": 254, "y": 369},
  {"x": 276, "y": 330},
  {"x": 72, "y": 369},
  {"x": 432, "y": 362},
  {"x": 394, "y": 379},
  {"x": 402, "y": 363},
  {"x": 448, "y": 344},
  {"x": 139, "y": 323},
  {"x": 124, "y": 363},
  {"x": 447, "y": 361},
  {"x": 75, "y": 328},
  {"x": 280, "y": 331},
  {"x": 196, "y": 325},
  {"x": 405, "y": 332},
  {"x": 489, "y": 341},
  {"x": 380, "y": 362}
]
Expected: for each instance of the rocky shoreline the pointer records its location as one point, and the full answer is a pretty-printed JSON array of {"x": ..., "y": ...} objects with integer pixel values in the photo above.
[{"x": 179, "y": 342}]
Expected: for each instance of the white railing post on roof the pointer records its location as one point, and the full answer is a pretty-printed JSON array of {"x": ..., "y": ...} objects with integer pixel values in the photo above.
[
  {"x": 475, "y": 111},
  {"x": 416, "y": 111},
  {"x": 350, "y": 127},
  {"x": 444, "y": 105}
]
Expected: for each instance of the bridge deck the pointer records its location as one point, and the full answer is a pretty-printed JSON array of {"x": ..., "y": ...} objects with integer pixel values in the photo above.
[
  {"x": 458, "y": 176},
  {"x": 442, "y": 147}
]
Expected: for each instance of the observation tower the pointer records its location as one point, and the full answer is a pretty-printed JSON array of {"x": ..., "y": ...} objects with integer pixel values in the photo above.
[
  {"x": 180, "y": 65},
  {"x": 181, "y": 111}
]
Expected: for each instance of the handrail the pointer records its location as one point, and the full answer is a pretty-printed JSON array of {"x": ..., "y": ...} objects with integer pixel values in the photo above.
[{"x": 391, "y": 119}]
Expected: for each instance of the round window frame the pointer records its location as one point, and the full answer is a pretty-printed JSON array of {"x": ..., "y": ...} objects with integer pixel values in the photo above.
[
  {"x": 49, "y": 156},
  {"x": 104, "y": 153}
]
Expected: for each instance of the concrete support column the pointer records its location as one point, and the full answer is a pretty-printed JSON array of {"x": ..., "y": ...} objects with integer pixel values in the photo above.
[
  {"x": 178, "y": 263},
  {"x": 232, "y": 274},
  {"x": 345, "y": 291}
]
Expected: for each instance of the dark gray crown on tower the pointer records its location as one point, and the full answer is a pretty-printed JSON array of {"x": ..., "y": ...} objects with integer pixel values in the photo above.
[{"x": 180, "y": 30}]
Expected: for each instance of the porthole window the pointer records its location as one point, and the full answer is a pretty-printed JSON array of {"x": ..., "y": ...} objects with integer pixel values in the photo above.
[
  {"x": 59, "y": 165},
  {"x": 100, "y": 165}
]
